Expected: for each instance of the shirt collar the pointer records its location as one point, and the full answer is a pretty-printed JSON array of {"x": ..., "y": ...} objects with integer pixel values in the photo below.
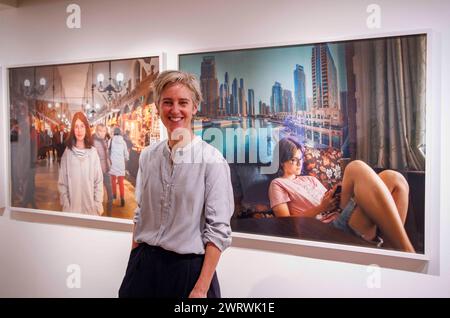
[{"x": 180, "y": 151}]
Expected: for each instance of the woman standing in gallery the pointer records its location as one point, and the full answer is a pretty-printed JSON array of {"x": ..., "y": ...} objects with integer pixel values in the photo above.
[
  {"x": 80, "y": 180},
  {"x": 369, "y": 201},
  {"x": 185, "y": 202}
]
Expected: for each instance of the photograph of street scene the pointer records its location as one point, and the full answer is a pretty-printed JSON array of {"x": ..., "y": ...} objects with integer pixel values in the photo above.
[{"x": 109, "y": 105}]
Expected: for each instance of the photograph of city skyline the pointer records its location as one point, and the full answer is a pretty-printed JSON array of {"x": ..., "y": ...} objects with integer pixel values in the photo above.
[
  {"x": 296, "y": 90},
  {"x": 350, "y": 100}
]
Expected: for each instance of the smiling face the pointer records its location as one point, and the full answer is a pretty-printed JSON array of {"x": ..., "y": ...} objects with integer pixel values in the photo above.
[
  {"x": 293, "y": 166},
  {"x": 80, "y": 131},
  {"x": 176, "y": 108}
]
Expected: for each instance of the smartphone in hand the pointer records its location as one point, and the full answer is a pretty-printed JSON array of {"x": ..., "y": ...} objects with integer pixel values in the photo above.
[{"x": 337, "y": 191}]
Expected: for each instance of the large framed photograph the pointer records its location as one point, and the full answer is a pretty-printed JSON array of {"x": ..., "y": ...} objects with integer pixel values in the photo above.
[
  {"x": 76, "y": 133},
  {"x": 299, "y": 123}
]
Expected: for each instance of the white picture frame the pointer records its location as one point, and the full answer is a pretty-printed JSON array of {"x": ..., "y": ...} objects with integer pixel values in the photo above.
[
  {"x": 358, "y": 254},
  {"x": 35, "y": 215}
]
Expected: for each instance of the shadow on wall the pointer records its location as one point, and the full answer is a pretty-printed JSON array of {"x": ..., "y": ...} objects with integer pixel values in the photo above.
[
  {"x": 33, "y": 217},
  {"x": 333, "y": 254},
  {"x": 265, "y": 287},
  {"x": 32, "y": 3}
]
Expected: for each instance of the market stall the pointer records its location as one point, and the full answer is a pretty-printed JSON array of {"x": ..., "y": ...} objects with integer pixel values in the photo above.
[{"x": 142, "y": 124}]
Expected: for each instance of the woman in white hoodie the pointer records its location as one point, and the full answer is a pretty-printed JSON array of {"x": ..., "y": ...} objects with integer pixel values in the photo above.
[
  {"x": 80, "y": 182},
  {"x": 119, "y": 155}
]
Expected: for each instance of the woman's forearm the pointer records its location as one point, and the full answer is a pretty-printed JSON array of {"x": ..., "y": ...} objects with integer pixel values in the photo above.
[
  {"x": 282, "y": 210},
  {"x": 212, "y": 256},
  {"x": 134, "y": 244},
  {"x": 313, "y": 211}
]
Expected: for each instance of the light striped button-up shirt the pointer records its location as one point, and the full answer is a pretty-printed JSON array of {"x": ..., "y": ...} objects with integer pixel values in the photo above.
[{"x": 185, "y": 198}]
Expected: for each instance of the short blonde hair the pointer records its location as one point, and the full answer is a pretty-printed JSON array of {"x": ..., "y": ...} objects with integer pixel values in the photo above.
[{"x": 177, "y": 77}]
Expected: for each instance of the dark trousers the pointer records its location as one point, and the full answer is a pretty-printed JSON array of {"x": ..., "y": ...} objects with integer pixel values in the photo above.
[
  {"x": 107, "y": 184},
  {"x": 155, "y": 272},
  {"x": 60, "y": 150}
]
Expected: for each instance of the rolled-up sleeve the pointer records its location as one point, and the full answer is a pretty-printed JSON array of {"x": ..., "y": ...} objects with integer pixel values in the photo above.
[{"x": 219, "y": 205}]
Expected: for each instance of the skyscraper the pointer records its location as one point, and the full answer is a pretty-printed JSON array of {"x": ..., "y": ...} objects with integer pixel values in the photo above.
[
  {"x": 209, "y": 86},
  {"x": 222, "y": 99},
  {"x": 242, "y": 99},
  {"x": 299, "y": 88},
  {"x": 227, "y": 95},
  {"x": 324, "y": 77},
  {"x": 287, "y": 101},
  {"x": 266, "y": 108},
  {"x": 251, "y": 102},
  {"x": 234, "y": 97},
  {"x": 276, "y": 100}
]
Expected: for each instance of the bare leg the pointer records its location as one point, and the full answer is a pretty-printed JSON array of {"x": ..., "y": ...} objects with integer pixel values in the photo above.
[
  {"x": 376, "y": 205},
  {"x": 363, "y": 224},
  {"x": 399, "y": 189}
]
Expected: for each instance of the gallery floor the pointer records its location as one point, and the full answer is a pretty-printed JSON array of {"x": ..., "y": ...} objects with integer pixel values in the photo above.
[{"x": 47, "y": 196}]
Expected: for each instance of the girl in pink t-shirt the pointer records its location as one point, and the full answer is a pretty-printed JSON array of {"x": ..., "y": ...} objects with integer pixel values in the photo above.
[
  {"x": 301, "y": 194},
  {"x": 369, "y": 201}
]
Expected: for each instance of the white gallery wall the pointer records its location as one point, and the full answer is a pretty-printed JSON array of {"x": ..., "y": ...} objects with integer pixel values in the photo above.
[{"x": 36, "y": 251}]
